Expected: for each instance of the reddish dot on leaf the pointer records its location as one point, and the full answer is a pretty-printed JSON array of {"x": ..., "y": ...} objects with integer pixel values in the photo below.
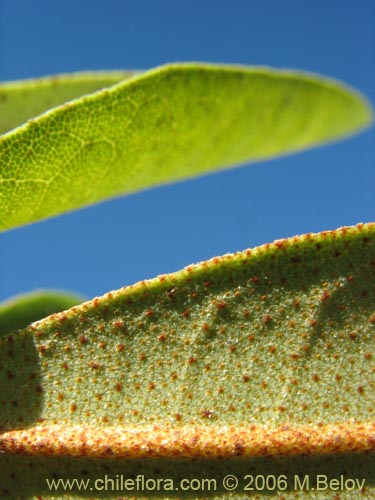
[{"x": 42, "y": 348}]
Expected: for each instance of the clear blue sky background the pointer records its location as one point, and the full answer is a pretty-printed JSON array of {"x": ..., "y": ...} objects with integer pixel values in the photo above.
[{"x": 162, "y": 230}]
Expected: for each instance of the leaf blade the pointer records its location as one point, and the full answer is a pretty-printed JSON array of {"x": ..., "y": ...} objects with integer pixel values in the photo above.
[
  {"x": 26, "y": 99},
  {"x": 165, "y": 125},
  {"x": 277, "y": 340}
]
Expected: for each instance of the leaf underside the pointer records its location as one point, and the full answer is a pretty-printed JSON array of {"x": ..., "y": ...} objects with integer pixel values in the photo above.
[
  {"x": 166, "y": 124},
  {"x": 255, "y": 363}
]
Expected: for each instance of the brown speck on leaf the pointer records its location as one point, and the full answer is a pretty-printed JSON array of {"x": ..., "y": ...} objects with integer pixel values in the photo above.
[
  {"x": 42, "y": 348},
  {"x": 267, "y": 319},
  {"x": 94, "y": 365},
  {"x": 82, "y": 339},
  {"x": 120, "y": 347}
]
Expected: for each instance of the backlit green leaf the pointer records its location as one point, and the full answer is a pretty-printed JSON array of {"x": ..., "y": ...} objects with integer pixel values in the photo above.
[
  {"x": 167, "y": 124},
  {"x": 258, "y": 363},
  {"x": 18, "y": 312},
  {"x": 25, "y": 99}
]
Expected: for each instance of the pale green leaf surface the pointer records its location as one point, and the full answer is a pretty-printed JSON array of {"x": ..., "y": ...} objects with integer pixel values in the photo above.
[
  {"x": 26, "y": 99},
  {"x": 18, "y": 312},
  {"x": 167, "y": 124},
  {"x": 278, "y": 337}
]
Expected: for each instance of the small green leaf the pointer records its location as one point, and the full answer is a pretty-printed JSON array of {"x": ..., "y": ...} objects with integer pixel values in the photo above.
[
  {"x": 18, "y": 312},
  {"x": 167, "y": 124},
  {"x": 260, "y": 362}
]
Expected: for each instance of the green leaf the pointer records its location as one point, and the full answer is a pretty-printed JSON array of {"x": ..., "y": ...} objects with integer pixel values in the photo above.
[
  {"x": 25, "y": 99},
  {"x": 258, "y": 363},
  {"x": 167, "y": 124},
  {"x": 18, "y": 312}
]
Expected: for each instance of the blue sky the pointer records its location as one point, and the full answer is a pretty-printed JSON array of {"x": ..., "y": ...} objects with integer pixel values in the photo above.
[{"x": 162, "y": 230}]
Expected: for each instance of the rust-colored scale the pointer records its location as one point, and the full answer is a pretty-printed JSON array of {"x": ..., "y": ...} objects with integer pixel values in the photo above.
[{"x": 190, "y": 442}]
